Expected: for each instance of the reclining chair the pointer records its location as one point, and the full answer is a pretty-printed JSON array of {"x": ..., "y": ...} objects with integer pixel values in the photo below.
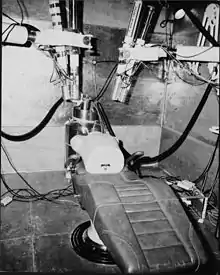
[{"x": 137, "y": 224}]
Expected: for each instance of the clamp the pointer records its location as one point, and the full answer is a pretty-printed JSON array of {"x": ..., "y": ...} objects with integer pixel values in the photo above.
[{"x": 210, "y": 23}]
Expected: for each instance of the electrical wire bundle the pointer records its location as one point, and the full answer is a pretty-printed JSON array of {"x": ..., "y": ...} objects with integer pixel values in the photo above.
[
  {"x": 204, "y": 176},
  {"x": 61, "y": 73},
  {"x": 213, "y": 210},
  {"x": 213, "y": 216},
  {"x": 189, "y": 71},
  {"x": 128, "y": 79},
  {"x": 31, "y": 194},
  {"x": 106, "y": 84}
]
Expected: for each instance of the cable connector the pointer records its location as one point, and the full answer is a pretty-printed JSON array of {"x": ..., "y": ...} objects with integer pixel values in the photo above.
[
  {"x": 185, "y": 184},
  {"x": 186, "y": 201},
  {"x": 204, "y": 210},
  {"x": 169, "y": 182},
  {"x": 6, "y": 200},
  {"x": 214, "y": 130}
]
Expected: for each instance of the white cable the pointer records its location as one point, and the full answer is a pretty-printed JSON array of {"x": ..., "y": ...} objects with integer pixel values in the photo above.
[{"x": 188, "y": 70}]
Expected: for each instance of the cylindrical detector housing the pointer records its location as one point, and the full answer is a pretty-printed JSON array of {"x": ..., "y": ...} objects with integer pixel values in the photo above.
[
  {"x": 121, "y": 92},
  {"x": 133, "y": 22},
  {"x": 85, "y": 112},
  {"x": 84, "y": 120}
]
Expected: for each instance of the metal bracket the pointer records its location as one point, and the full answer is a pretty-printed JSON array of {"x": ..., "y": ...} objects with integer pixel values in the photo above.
[{"x": 210, "y": 25}]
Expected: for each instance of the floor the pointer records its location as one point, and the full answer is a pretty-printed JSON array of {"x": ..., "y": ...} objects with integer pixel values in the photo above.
[{"x": 35, "y": 236}]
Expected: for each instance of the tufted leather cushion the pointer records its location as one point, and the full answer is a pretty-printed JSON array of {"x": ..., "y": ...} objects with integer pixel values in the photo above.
[{"x": 142, "y": 222}]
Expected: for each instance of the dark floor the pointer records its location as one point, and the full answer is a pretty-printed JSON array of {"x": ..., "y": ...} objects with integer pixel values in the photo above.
[{"x": 36, "y": 236}]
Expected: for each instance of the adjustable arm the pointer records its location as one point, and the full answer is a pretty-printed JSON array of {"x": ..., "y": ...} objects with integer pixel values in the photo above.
[
  {"x": 21, "y": 34},
  {"x": 141, "y": 21},
  {"x": 65, "y": 41},
  {"x": 135, "y": 48},
  {"x": 66, "y": 16}
]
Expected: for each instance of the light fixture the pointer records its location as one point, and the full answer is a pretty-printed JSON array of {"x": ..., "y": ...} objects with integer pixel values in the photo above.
[{"x": 179, "y": 14}]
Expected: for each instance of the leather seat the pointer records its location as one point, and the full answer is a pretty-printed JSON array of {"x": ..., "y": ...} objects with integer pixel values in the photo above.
[{"x": 141, "y": 222}]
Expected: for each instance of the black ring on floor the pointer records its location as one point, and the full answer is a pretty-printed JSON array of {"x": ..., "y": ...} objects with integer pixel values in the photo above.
[{"x": 86, "y": 248}]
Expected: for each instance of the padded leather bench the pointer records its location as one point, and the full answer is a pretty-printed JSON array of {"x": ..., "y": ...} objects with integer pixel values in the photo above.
[{"x": 141, "y": 222}]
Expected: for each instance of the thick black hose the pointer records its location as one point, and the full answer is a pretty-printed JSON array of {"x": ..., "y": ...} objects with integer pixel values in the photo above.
[
  {"x": 105, "y": 119},
  {"x": 206, "y": 170},
  {"x": 109, "y": 128},
  {"x": 176, "y": 145},
  {"x": 179, "y": 142},
  {"x": 37, "y": 129},
  {"x": 106, "y": 84},
  {"x": 200, "y": 27}
]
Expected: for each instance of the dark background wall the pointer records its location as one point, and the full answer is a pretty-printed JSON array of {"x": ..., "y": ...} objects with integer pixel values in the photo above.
[{"x": 27, "y": 94}]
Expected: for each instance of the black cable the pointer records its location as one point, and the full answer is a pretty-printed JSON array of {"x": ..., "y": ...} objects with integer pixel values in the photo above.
[
  {"x": 199, "y": 26},
  {"x": 206, "y": 170},
  {"x": 6, "y": 186},
  {"x": 191, "y": 71},
  {"x": 188, "y": 82},
  {"x": 22, "y": 14},
  {"x": 33, "y": 194},
  {"x": 55, "y": 194},
  {"x": 210, "y": 162},
  {"x": 168, "y": 178},
  {"x": 179, "y": 142},
  {"x": 14, "y": 168},
  {"x": 37, "y": 129},
  {"x": 8, "y": 28},
  {"x": 212, "y": 202},
  {"x": 12, "y": 26},
  {"x": 12, "y": 191},
  {"x": 204, "y": 182},
  {"x": 9, "y": 17},
  {"x": 105, "y": 119},
  {"x": 106, "y": 84},
  {"x": 214, "y": 182},
  {"x": 109, "y": 128}
]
